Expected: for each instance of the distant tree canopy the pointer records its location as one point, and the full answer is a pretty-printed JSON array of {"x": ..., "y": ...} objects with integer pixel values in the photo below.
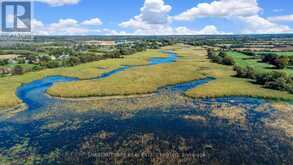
[
  {"x": 248, "y": 53},
  {"x": 291, "y": 60},
  {"x": 280, "y": 62},
  {"x": 3, "y": 62},
  {"x": 220, "y": 58},
  {"x": 273, "y": 80}
]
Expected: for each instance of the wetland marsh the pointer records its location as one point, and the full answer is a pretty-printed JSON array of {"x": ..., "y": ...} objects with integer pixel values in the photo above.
[{"x": 164, "y": 112}]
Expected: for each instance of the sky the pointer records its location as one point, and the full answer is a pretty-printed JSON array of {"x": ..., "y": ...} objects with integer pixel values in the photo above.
[{"x": 161, "y": 17}]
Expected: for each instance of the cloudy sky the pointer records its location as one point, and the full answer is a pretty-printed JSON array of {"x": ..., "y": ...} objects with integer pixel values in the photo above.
[{"x": 162, "y": 17}]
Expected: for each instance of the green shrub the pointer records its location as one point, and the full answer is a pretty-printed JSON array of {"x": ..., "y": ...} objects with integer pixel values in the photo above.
[
  {"x": 227, "y": 60},
  {"x": 221, "y": 58},
  {"x": 222, "y": 54},
  {"x": 4, "y": 62},
  {"x": 53, "y": 64},
  {"x": 37, "y": 68},
  {"x": 278, "y": 84},
  {"x": 268, "y": 57},
  {"x": 281, "y": 62},
  {"x": 248, "y": 53},
  {"x": 291, "y": 60},
  {"x": 245, "y": 72},
  {"x": 240, "y": 71},
  {"x": 18, "y": 70}
]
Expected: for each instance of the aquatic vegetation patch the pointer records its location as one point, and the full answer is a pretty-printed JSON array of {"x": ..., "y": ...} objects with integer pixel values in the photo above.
[
  {"x": 194, "y": 118},
  {"x": 233, "y": 114},
  {"x": 53, "y": 125},
  {"x": 10, "y": 112},
  {"x": 133, "y": 104},
  {"x": 284, "y": 107},
  {"x": 164, "y": 131},
  {"x": 281, "y": 120},
  {"x": 104, "y": 135}
]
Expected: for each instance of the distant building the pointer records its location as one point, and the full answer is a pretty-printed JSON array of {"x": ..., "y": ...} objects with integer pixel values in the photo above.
[
  {"x": 100, "y": 43},
  {"x": 121, "y": 42},
  {"x": 63, "y": 56},
  {"x": 12, "y": 61},
  {"x": 53, "y": 57}
]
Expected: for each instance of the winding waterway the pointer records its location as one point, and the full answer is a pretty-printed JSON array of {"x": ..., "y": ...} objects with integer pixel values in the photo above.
[
  {"x": 34, "y": 94},
  {"x": 139, "y": 129}
]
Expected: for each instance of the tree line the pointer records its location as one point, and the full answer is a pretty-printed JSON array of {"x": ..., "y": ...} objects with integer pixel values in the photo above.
[
  {"x": 277, "y": 80},
  {"x": 220, "y": 58},
  {"x": 273, "y": 80},
  {"x": 279, "y": 61},
  {"x": 68, "y": 57}
]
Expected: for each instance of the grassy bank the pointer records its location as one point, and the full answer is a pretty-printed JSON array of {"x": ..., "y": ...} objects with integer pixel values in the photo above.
[
  {"x": 237, "y": 87},
  {"x": 8, "y": 85}
]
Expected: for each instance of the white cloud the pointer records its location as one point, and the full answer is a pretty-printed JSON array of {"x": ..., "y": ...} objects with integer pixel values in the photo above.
[
  {"x": 283, "y": 18},
  {"x": 113, "y": 32},
  {"x": 154, "y": 12},
  {"x": 37, "y": 24},
  {"x": 153, "y": 19},
  {"x": 67, "y": 26},
  {"x": 241, "y": 11},
  {"x": 64, "y": 23},
  {"x": 93, "y": 21},
  {"x": 257, "y": 24},
  {"x": 62, "y": 27},
  {"x": 59, "y": 2},
  {"x": 207, "y": 30},
  {"x": 221, "y": 8}
]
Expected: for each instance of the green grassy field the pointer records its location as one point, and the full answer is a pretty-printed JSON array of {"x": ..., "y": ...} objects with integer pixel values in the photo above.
[
  {"x": 244, "y": 60},
  {"x": 281, "y": 53}
]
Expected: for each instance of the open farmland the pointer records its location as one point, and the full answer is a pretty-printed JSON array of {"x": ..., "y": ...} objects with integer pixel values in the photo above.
[{"x": 8, "y": 56}]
